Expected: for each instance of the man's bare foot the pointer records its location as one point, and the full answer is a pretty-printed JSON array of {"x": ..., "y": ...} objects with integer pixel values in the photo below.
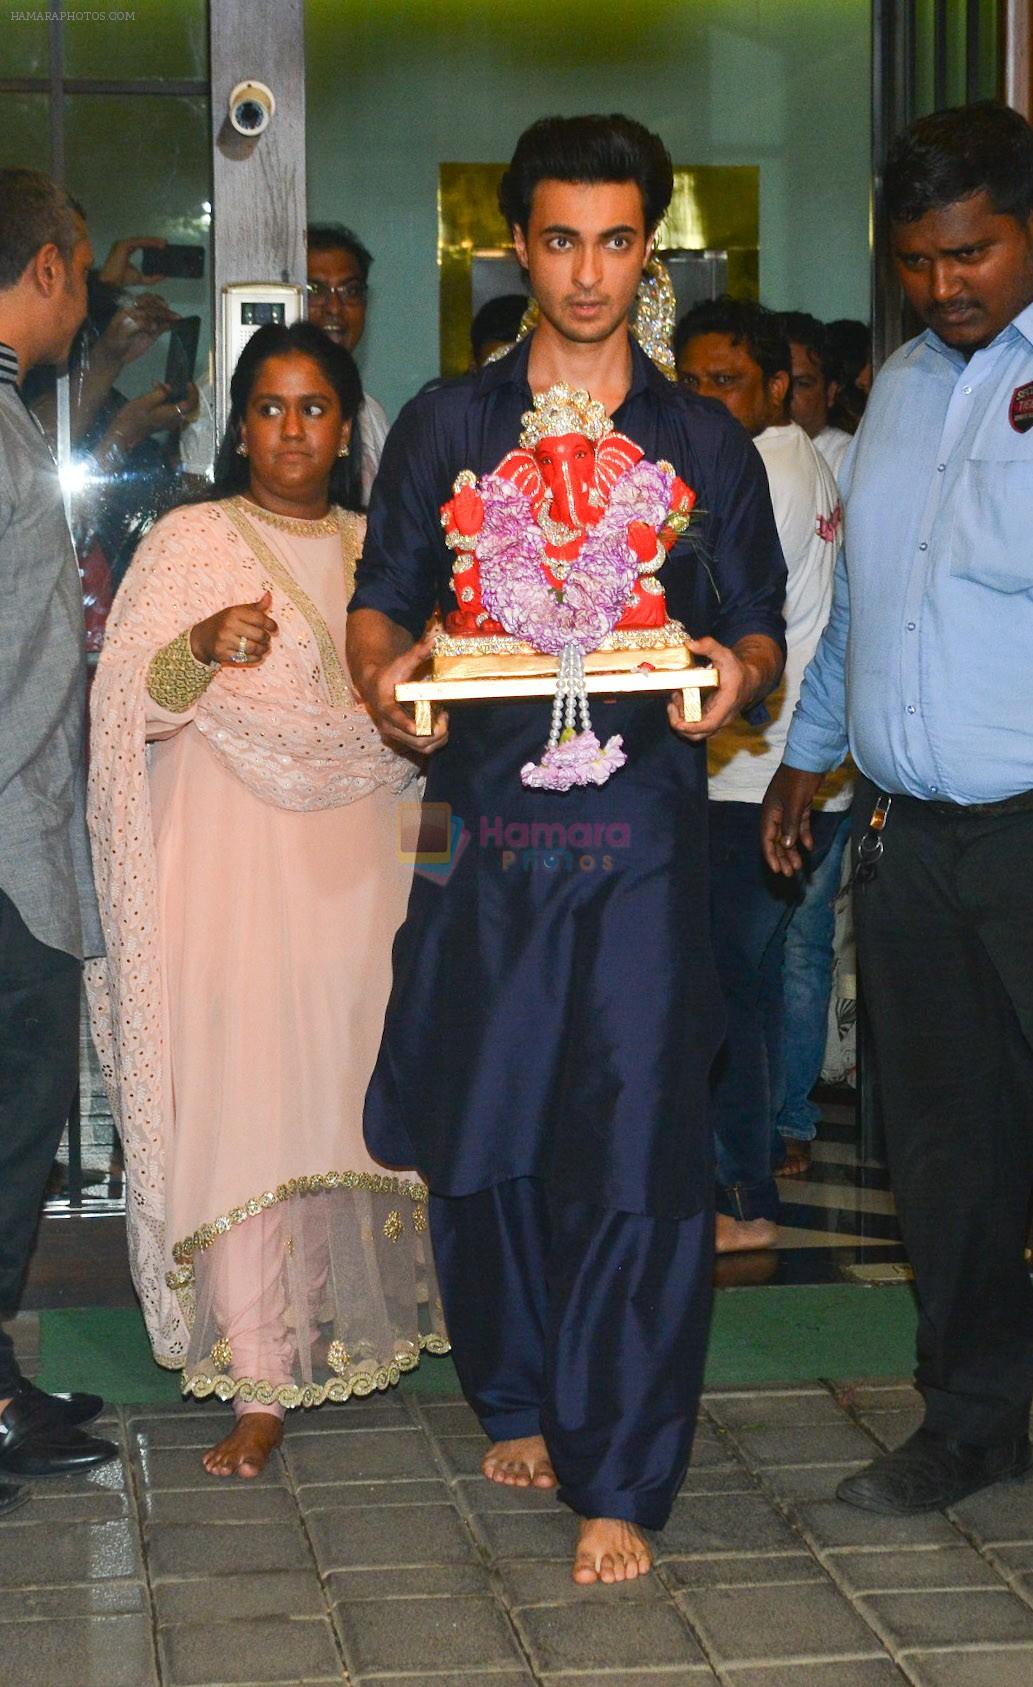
[
  {"x": 524, "y": 1463},
  {"x": 610, "y": 1550},
  {"x": 245, "y": 1450},
  {"x": 742, "y": 1235},
  {"x": 798, "y": 1157}
]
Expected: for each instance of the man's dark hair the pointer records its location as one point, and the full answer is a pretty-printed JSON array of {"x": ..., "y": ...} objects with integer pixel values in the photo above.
[
  {"x": 232, "y": 473},
  {"x": 951, "y": 155},
  {"x": 34, "y": 212},
  {"x": 587, "y": 149},
  {"x": 802, "y": 329},
  {"x": 335, "y": 237},
  {"x": 849, "y": 348},
  {"x": 747, "y": 324},
  {"x": 498, "y": 319}
]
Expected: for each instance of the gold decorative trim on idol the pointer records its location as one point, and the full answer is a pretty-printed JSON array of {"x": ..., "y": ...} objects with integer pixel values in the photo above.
[
  {"x": 297, "y": 525},
  {"x": 238, "y": 511},
  {"x": 202, "y": 1384},
  {"x": 319, "y": 1183},
  {"x": 633, "y": 638}
]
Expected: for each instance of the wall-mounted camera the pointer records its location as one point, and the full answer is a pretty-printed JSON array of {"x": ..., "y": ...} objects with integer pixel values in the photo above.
[{"x": 251, "y": 108}]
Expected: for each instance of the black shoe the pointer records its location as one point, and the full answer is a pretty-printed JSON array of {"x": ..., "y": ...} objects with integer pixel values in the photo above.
[
  {"x": 34, "y": 1443},
  {"x": 11, "y": 1497},
  {"x": 67, "y": 1409},
  {"x": 930, "y": 1471}
]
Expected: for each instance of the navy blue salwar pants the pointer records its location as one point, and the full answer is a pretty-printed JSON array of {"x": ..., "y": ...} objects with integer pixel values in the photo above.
[{"x": 593, "y": 1335}]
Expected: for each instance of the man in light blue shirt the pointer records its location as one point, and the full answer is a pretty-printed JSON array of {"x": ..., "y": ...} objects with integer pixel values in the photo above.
[{"x": 924, "y": 673}]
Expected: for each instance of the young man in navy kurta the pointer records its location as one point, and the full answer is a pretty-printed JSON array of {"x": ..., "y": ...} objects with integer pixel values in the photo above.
[{"x": 554, "y": 1011}]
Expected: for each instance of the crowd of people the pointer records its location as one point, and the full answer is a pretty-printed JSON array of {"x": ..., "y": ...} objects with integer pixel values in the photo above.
[{"x": 369, "y": 1115}]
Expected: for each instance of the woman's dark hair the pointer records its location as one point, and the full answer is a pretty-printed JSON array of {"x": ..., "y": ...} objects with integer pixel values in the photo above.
[
  {"x": 302, "y": 339},
  {"x": 587, "y": 149},
  {"x": 951, "y": 155},
  {"x": 747, "y": 324}
]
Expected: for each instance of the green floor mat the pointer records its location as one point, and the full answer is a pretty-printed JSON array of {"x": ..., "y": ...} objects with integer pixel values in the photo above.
[{"x": 768, "y": 1334}]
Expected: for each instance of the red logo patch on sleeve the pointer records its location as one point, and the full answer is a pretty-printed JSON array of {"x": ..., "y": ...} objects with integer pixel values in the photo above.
[{"x": 1020, "y": 410}]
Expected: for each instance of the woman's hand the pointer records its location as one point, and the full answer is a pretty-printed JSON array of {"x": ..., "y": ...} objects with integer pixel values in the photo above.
[{"x": 235, "y": 637}]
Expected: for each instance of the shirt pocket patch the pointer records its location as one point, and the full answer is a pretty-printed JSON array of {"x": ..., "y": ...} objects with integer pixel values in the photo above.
[{"x": 992, "y": 532}]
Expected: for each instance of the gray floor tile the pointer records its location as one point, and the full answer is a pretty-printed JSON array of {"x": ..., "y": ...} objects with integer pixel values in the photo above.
[
  {"x": 820, "y": 1443},
  {"x": 53, "y": 1510},
  {"x": 101, "y": 1651},
  {"x": 712, "y": 1446},
  {"x": 41, "y": 1557},
  {"x": 407, "y": 1582},
  {"x": 361, "y": 1455},
  {"x": 770, "y": 1409},
  {"x": 181, "y": 1467},
  {"x": 984, "y": 1667},
  {"x": 760, "y": 1625},
  {"x": 686, "y": 1675},
  {"x": 916, "y": 1621},
  {"x": 88, "y": 1599},
  {"x": 461, "y": 1454},
  {"x": 451, "y": 1417},
  {"x": 846, "y": 1672},
  {"x": 191, "y": 1430},
  {"x": 1003, "y": 1513},
  {"x": 774, "y": 1569},
  {"x": 478, "y": 1494},
  {"x": 388, "y": 1637},
  {"x": 549, "y": 1582},
  {"x": 176, "y": 1550},
  {"x": 830, "y": 1523},
  {"x": 890, "y": 1397},
  {"x": 388, "y": 1410},
  {"x": 532, "y": 1534},
  {"x": 941, "y": 1567},
  {"x": 320, "y": 1496},
  {"x": 424, "y": 1534},
  {"x": 253, "y": 1653},
  {"x": 473, "y": 1678},
  {"x": 719, "y": 1479},
  {"x": 708, "y": 1523},
  {"x": 801, "y": 1484},
  {"x": 223, "y": 1501},
  {"x": 892, "y": 1428},
  {"x": 262, "y": 1593},
  {"x": 593, "y": 1635},
  {"x": 107, "y": 1478}
]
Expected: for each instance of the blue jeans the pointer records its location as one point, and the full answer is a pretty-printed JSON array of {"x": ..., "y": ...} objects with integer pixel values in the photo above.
[
  {"x": 751, "y": 909},
  {"x": 807, "y": 984}
]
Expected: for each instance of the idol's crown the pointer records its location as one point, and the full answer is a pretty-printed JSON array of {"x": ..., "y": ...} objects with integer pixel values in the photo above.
[{"x": 564, "y": 409}]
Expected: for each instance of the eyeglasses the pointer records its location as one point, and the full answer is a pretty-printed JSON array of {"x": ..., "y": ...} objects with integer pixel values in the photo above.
[{"x": 348, "y": 292}]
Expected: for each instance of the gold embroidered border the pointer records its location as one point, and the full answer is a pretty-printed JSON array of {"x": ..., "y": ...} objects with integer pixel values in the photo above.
[
  {"x": 337, "y": 683},
  {"x": 376, "y": 1183},
  {"x": 175, "y": 678},
  {"x": 322, "y": 525},
  {"x": 633, "y": 638},
  {"x": 202, "y": 1384}
]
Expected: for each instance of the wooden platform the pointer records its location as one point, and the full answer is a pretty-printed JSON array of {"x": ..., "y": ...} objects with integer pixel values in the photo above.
[{"x": 690, "y": 681}]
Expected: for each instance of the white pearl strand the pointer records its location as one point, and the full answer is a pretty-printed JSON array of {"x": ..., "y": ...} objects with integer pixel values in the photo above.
[{"x": 570, "y": 698}]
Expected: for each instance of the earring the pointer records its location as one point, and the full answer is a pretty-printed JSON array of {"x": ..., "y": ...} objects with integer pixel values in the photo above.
[
  {"x": 343, "y": 452},
  {"x": 242, "y": 449}
]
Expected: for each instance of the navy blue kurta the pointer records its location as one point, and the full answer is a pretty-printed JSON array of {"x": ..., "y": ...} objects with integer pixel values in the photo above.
[{"x": 555, "y": 1010}]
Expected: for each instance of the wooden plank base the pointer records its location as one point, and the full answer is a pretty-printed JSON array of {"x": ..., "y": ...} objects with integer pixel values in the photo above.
[{"x": 425, "y": 693}]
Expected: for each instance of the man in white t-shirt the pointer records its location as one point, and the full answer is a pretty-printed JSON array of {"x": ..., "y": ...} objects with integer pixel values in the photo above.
[
  {"x": 814, "y": 389},
  {"x": 338, "y": 291},
  {"x": 737, "y": 352}
]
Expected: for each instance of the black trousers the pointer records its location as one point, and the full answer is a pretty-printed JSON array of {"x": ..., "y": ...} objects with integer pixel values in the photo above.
[
  {"x": 39, "y": 1065},
  {"x": 586, "y": 1326},
  {"x": 945, "y": 959}
]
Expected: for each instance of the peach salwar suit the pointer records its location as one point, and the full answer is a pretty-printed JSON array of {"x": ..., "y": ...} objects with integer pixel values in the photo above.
[{"x": 246, "y": 851}]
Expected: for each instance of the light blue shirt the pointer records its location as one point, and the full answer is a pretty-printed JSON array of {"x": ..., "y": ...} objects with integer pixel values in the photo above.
[{"x": 925, "y": 670}]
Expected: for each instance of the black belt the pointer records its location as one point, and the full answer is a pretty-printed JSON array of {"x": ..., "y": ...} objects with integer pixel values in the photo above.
[{"x": 1021, "y": 803}]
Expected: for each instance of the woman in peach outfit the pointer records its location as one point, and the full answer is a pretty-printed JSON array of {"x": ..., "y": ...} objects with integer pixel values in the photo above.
[{"x": 244, "y": 817}]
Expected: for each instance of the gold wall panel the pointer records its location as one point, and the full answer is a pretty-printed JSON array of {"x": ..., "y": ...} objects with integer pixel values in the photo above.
[{"x": 713, "y": 206}]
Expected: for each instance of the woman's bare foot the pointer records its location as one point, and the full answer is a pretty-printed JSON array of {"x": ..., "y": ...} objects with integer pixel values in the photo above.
[
  {"x": 610, "y": 1550},
  {"x": 247, "y": 1447},
  {"x": 798, "y": 1157},
  {"x": 524, "y": 1463},
  {"x": 742, "y": 1235}
]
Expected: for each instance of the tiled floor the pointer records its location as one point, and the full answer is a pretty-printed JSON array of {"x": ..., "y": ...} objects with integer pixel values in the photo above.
[{"x": 373, "y": 1551}]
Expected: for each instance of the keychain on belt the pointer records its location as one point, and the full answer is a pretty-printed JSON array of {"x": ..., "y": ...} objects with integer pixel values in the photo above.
[{"x": 871, "y": 846}]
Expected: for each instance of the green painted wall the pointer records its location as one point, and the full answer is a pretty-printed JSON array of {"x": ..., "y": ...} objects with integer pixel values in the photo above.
[{"x": 397, "y": 86}]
